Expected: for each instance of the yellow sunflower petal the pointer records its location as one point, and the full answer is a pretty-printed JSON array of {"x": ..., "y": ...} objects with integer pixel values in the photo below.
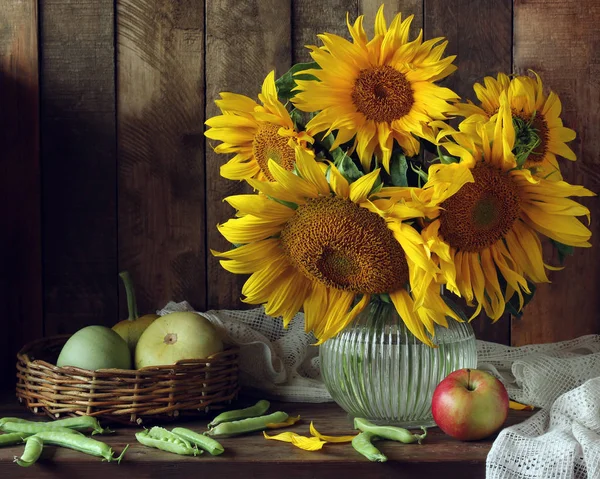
[
  {"x": 325, "y": 438},
  {"x": 290, "y": 421},
  {"x": 361, "y": 188}
]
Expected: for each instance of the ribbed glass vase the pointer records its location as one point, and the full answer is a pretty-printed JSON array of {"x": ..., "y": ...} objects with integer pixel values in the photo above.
[{"x": 377, "y": 369}]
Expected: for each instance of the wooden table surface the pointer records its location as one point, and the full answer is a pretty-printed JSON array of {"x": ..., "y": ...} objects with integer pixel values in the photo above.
[{"x": 254, "y": 456}]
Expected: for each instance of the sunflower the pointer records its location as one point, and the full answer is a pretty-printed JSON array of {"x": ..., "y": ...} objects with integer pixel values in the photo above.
[
  {"x": 255, "y": 133},
  {"x": 377, "y": 91},
  {"x": 329, "y": 248},
  {"x": 540, "y": 134},
  {"x": 487, "y": 216}
]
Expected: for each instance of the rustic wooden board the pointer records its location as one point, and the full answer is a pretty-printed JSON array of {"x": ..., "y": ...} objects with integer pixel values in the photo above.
[
  {"x": 480, "y": 34},
  {"x": 20, "y": 240},
  {"x": 559, "y": 40},
  {"x": 78, "y": 164},
  {"x": 244, "y": 41},
  {"x": 160, "y": 98},
  {"x": 253, "y": 456},
  {"x": 391, "y": 7},
  {"x": 308, "y": 24}
]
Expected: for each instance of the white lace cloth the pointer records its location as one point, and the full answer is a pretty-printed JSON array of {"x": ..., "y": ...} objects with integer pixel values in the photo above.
[{"x": 560, "y": 441}]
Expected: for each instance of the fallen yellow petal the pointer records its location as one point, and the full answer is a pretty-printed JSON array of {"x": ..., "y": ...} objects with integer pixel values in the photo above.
[
  {"x": 317, "y": 434},
  {"x": 517, "y": 406},
  {"x": 290, "y": 421},
  {"x": 283, "y": 437},
  {"x": 302, "y": 442},
  {"x": 307, "y": 443}
]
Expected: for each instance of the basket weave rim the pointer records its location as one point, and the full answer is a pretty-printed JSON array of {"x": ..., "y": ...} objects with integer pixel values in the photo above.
[{"x": 67, "y": 370}]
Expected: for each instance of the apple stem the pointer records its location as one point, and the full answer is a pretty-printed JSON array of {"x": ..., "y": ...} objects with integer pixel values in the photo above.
[
  {"x": 130, "y": 291},
  {"x": 469, "y": 387}
]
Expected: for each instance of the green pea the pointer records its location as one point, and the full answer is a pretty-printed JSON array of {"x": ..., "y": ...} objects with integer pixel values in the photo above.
[
  {"x": 79, "y": 442},
  {"x": 234, "y": 428},
  {"x": 362, "y": 444},
  {"x": 258, "y": 409},
  {"x": 12, "y": 438},
  {"x": 31, "y": 453},
  {"x": 392, "y": 433},
  {"x": 200, "y": 440},
  {"x": 174, "y": 447},
  {"x": 31, "y": 428}
]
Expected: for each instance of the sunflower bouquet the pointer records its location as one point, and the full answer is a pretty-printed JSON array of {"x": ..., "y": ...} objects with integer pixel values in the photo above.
[{"x": 374, "y": 183}]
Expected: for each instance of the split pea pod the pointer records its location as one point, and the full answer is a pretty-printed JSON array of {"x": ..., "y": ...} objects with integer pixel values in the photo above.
[
  {"x": 31, "y": 428},
  {"x": 234, "y": 428},
  {"x": 12, "y": 438},
  {"x": 363, "y": 445},
  {"x": 79, "y": 442},
  {"x": 32, "y": 452},
  {"x": 180, "y": 447},
  {"x": 392, "y": 433},
  {"x": 258, "y": 409},
  {"x": 200, "y": 440}
]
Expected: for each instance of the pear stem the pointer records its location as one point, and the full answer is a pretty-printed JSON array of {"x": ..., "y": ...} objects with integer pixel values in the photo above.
[{"x": 130, "y": 290}]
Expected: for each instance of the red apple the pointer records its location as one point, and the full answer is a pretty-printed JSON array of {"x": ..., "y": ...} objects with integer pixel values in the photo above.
[{"x": 469, "y": 404}]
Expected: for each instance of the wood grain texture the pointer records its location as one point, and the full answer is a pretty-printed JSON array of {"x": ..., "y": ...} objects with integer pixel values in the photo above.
[
  {"x": 313, "y": 17},
  {"x": 78, "y": 164},
  {"x": 245, "y": 40},
  {"x": 479, "y": 32},
  {"x": 390, "y": 8},
  {"x": 253, "y": 456},
  {"x": 161, "y": 205},
  {"x": 561, "y": 42},
  {"x": 20, "y": 237}
]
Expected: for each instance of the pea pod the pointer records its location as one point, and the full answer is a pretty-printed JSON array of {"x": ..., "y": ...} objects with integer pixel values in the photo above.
[
  {"x": 200, "y": 440},
  {"x": 235, "y": 428},
  {"x": 82, "y": 423},
  {"x": 392, "y": 433},
  {"x": 12, "y": 438},
  {"x": 363, "y": 445},
  {"x": 31, "y": 428},
  {"x": 77, "y": 423},
  {"x": 32, "y": 452},
  {"x": 175, "y": 447},
  {"x": 79, "y": 442},
  {"x": 258, "y": 409},
  {"x": 12, "y": 419}
]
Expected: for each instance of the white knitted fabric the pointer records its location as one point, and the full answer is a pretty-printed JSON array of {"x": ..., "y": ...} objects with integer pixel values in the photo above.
[{"x": 563, "y": 439}]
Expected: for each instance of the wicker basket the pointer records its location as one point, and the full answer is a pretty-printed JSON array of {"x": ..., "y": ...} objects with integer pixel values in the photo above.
[{"x": 189, "y": 387}]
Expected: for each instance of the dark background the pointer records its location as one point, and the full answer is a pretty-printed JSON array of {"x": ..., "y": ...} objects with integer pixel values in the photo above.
[{"x": 104, "y": 165}]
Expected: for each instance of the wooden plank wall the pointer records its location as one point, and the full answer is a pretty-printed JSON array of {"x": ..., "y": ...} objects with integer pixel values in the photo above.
[
  {"x": 118, "y": 174},
  {"x": 20, "y": 246}
]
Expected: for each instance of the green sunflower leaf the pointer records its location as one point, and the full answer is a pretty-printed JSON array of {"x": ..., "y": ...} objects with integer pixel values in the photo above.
[
  {"x": 298, "y": 119},
  {"x": 286, "y": 83},
  {"x": 512, "y": 306},
  {"x": 563, "y": 250},
  {"x": 348, "y": 168},
  {"x": 398, "y": 170}
]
